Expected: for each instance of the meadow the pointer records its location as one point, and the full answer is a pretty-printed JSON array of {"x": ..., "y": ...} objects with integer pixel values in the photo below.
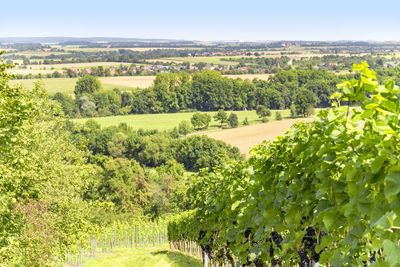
[{"x": 167, "y": 121}]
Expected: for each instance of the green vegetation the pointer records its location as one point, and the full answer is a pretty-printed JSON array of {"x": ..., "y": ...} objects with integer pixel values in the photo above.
[
  {"x": 200, "y": 121},
  {"x": 233, "y": 120},
  {"x": 221, "y": 116},
  {"x": 43, "y": 177},
  {"x": 326, "y": 193},
  {"x": 168, "y": 121},
  {"x": 149, "y": 257}
]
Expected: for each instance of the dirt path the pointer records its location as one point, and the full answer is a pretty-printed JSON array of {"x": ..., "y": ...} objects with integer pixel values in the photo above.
[{"x": 246, "y": 137}]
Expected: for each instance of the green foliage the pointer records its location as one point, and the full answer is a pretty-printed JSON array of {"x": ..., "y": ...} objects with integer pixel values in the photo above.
[
  {"x": 67, "y": 104},
  {"x": 293, "y": 112},
  {"x": 233, "y": 120},
  {"x": 87, "y": 84},
  {"x": 197, "y": 152},
  {"x": 200, "y": 120},
  {"x": 263, "y": 112},
  {"x": 245, "y": 121},
  {"x": 221, "y": 116},
  {"x": 42, "y": 179},
  {"x": 303, "y": 100},
  {"x": 328, "y": 190},
  {"x": 185, "y": 127},
  {"x": 278, "y": 116}
]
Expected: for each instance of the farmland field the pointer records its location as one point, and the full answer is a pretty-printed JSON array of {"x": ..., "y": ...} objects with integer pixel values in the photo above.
[
  {"x": 246, "y": 137},
  {"x": 50, "y": 68},
  {"x": 168, "y": 121},
  {"x": 129, "y": 81},
  {"x": 209, "y": 60},
  {"x": 67, "y": 85},
  {"x": 139, "y": 49},
  {"x": 249, "y": 76}
]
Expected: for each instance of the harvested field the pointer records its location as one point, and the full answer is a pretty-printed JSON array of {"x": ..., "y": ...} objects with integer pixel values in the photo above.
[
  {"x": 246, "y": 137},
  {"x": 129, "y": 81}
]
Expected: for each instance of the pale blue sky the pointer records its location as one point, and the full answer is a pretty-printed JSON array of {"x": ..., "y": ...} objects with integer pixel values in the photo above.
[{"x": 204, "y": 20}]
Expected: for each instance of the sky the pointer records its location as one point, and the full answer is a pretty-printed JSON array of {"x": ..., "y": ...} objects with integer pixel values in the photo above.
[{"x": 205, "y": 20}]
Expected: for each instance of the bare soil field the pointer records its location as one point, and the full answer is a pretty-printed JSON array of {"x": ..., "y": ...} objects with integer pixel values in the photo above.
[
  {"x": 130, "y": 81},
  {"x": 248, "y": 136}
]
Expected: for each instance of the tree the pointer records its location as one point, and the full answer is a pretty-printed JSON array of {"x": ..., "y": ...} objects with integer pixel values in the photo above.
[
  {"x": 221, "y": 116},
  {"x": 246, "y": 121},
  {"x": 278, "y": 116},
  {"x": 67, "y": 104},
  {"x": 185, "y": 127},
  {"x": 200, "y": 120},
  {"x": 42, "y": 178},
  {"x": 87, "y": 107},
  {"x": 233, "y": 120},
  {"x": 303, "y": 100},
  {"x": 263, "y": 112},
  {"x": 87, "y": 84}
]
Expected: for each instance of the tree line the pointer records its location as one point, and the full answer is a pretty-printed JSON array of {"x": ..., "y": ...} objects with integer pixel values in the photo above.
[{"x": 202, "y": 91}]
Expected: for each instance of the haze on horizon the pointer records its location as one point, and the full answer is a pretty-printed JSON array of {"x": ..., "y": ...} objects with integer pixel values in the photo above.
[{"x": 208, "y": 20}]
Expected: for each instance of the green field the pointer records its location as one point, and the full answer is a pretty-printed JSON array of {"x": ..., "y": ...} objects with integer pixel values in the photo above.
[
  {"x": 146, "y": 257},
  {"x": 63, "y": 85},
  {"x": 168, "y": 121}
]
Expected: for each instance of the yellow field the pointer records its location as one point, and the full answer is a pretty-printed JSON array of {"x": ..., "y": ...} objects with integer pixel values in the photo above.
[
  {"x": 129, "y": 81},
  {"x": 246, "y": 137},
  {"x": 67, "y": 85}
]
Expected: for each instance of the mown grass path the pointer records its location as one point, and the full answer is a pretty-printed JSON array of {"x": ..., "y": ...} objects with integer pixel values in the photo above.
[{"x": 143, "y": 257}]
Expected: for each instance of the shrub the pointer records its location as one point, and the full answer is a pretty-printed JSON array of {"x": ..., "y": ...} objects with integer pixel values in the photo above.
[
  {"x": 185, "y": 127},
  {"x": 233, "y": 120},
  {"x": 278, "y": 116}
]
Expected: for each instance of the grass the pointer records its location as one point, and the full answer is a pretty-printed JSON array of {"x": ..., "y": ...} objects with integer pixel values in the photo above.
[
  {"x": 168, "y": 121},
  {"x": 146, "y": 257}
]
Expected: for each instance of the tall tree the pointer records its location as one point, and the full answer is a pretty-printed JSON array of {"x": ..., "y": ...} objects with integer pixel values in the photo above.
[{"x": 87, "y": 84}]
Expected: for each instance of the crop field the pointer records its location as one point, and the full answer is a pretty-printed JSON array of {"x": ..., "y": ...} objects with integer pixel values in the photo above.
[
  {"x": 129, "y": 81},
  {"x": 250, "y": 76},
  {"x": 168, "y": 121},
  {"x": 246, "y": 137},
  {"x": 67, "y": 85},
  {"x": 146, "y": 257}
]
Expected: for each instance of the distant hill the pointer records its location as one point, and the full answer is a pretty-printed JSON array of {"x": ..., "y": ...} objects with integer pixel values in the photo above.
[{"x": 79, "y": 40}]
